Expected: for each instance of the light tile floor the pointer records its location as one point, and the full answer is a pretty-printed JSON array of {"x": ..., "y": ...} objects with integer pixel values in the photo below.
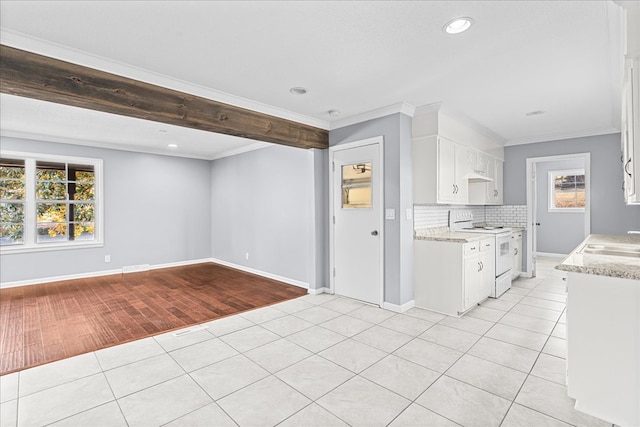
[{"x": 323, "y": 361}]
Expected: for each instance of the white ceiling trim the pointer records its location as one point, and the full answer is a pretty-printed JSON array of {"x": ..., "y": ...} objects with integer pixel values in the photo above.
[
  {"x": 400, "y": 107},
  {"x": 54, "y": 50},
  {"x": 562, "y": 135},
  {"x": 252, "y": 147},
  {"x": 98, "y": 144}
]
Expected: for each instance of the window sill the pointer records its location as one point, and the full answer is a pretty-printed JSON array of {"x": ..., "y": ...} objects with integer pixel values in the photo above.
[{"x": 48, "y": 247}]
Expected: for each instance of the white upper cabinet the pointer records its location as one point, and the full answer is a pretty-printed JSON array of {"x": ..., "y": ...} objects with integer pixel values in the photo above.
[
  {"x": 493, "y": 193},
  {"x": 450, "y": 160},
  {"x": 630, "y": 126},
  {"x": 439, "y": 171}
]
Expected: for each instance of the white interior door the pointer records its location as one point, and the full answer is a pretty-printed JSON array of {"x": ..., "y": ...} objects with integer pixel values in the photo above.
[{"x": 357, "y": 234}]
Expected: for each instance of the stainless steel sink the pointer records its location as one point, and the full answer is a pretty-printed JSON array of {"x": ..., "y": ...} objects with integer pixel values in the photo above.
[{"x": 614, "y": 250}]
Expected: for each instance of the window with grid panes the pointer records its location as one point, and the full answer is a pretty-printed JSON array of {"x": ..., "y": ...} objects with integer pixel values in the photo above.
[{"x": 49, "y": 202}]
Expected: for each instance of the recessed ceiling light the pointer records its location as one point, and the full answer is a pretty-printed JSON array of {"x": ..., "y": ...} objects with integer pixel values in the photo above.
[
  {"x": 334, "y": 113},
  {"x": 457, "y": 25},
  {"x": 299, "y": 90},
  {"x": 534, "y": 113},
  {"x": 172, "y": 145}
]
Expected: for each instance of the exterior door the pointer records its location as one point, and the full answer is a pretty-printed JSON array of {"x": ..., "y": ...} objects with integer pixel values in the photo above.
[{"x": 357, "y": 234}]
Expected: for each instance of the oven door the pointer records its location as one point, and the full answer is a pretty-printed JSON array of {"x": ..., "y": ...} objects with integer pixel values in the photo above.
[{"x": 504, "y": 256}]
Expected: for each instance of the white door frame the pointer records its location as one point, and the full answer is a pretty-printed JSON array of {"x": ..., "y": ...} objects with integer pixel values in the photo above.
[
  {"x": 532, "y": 200},
  {"x": 379, "y": 140}
]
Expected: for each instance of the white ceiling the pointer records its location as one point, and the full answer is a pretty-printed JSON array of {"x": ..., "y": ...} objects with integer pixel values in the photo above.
[{"x": 560, "y": 57}]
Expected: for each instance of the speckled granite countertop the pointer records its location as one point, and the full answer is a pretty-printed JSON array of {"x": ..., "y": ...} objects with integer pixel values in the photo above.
[
  {"x": 442, "y": 234},
  {"x": 604, "y": 265},
  {"x": 518, "y": 229}
]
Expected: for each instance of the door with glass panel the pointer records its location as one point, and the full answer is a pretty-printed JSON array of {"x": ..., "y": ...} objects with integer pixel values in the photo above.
[{"x": 357, "y": 235}]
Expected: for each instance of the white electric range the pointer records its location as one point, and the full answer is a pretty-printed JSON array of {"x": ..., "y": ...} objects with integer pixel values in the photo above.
[{"x": 462, "y": 220}]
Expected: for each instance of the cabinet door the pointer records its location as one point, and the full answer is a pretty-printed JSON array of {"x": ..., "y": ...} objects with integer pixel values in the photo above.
[
  {"x": 472, "y": 283},
  {"x": 516, "y": 245},
  {"x": 446, "y": 171},
  {"x": 481, "y": 162},
  {"x": 629, "y": 136},
  {"x": 491, "y": 173},
  {"x": 494, "y": 188},
  {"x": 487, "y": 274},
  {"x": 462, "y": 168},
  {"x": 498, "y": 182}
]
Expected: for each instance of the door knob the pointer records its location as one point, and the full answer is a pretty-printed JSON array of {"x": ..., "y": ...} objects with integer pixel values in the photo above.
[{"x": 374, "y": 233}]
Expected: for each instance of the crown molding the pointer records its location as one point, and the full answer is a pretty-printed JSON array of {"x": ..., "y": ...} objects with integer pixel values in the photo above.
[
  {"x": 561, "y": 135},
  {"x": 245, "y": 149},
  {"x": 400, "y": 107},
  {"x": 131, "y": 148},
  {"x": 43, "y": 47}
]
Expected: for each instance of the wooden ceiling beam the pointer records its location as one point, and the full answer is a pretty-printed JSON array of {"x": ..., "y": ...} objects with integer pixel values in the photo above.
[{"x": 40, "y": 77}]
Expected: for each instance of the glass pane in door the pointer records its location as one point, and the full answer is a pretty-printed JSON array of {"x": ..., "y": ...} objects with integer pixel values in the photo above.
[{"x": 356, "y": 186}]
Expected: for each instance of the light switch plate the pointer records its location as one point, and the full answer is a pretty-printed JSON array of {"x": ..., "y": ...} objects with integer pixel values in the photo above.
[
  {"x": 409, "y": 213},
  {"x": 390, "y": 214}
]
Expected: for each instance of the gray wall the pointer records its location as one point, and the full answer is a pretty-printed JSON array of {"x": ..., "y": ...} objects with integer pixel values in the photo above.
[
  {"x": 558, "y": 232},
  {"x": 262, "y": 202},
  {"x": 398, "y": 194},
  {"x": 157, "y": 211},
  {"x": 609, "y": 214}
]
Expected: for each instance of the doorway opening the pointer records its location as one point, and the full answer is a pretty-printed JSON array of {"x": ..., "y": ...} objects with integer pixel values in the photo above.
[{"x": 558, "y": 205}]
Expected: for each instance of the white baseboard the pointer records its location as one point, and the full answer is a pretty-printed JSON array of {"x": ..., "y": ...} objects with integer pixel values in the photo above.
[
  {"x": 122, "y": 270},
  {"x": 262, "y": 273},
  {"x": 180, "y": 263},
  {"x": 320, "y": 291},
  {"x": 398, "y": 308},
  {"x": 59, "y": 278},
  {"x": 551, "y": 255}
]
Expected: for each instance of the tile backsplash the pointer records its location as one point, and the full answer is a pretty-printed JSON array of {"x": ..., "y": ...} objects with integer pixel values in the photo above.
[
  {"x": 430, "y": 216},
  {"x": 507, "y": 215}
]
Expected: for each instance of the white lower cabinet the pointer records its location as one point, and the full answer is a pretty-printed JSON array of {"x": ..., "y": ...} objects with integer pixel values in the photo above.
[
  {"x": 452, "y": 277},
  {"x": 603, "y": 347},
  {"x": 516, "y": 245}
]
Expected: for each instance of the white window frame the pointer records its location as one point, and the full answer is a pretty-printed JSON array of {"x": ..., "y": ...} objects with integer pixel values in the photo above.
[
  {"x": 30, "y": 239},
  {"x": 552, "y": 192}
]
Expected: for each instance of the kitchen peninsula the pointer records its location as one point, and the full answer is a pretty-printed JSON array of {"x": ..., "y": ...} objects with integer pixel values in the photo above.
[{"x": 603, "y": 327}]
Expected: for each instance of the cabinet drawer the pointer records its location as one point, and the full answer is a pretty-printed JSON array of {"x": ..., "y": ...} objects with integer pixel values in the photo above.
[
  {"x": 487, "y": 245},
  {"x": 471, "y": 248}
]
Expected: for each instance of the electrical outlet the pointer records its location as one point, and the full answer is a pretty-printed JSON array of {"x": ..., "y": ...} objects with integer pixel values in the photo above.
[
  {"x": 107, "y": 258},
  {"x": 246, "y": 256}
]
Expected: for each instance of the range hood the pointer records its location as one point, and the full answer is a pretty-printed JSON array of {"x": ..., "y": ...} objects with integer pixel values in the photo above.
[{"x": 477, "y": 177}]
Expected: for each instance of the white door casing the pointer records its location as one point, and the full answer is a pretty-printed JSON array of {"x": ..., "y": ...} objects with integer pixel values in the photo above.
[
  {"x": 531, "y": 195},
  {"x": 357, "y": 233}
]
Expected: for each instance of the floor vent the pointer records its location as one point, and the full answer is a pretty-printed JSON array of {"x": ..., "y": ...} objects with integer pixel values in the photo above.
[{"x": 192, "y": 329}]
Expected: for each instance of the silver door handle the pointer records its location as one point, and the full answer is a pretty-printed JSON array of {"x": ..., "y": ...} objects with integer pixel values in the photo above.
[{"x": 374, "y": 233}]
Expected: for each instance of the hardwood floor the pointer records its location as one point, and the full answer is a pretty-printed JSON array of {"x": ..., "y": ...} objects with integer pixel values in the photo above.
[{"x": 52, "y": 321}]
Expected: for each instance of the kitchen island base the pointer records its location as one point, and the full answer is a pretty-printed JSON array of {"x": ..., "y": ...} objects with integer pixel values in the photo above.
[{"x": 603, "y": 347}]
